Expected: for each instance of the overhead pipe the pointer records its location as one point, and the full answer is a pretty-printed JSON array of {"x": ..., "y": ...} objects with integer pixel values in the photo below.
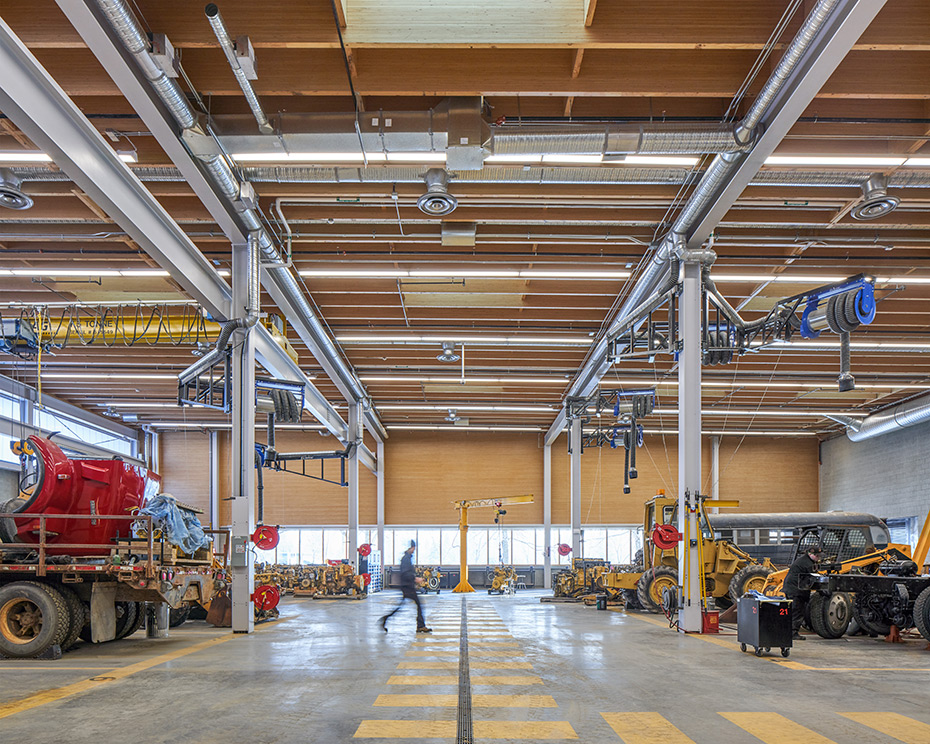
[
  {"x": 222, "y": 36},
  {"x": 901, "y": 416},
  {"x": 130, "y": 34}
]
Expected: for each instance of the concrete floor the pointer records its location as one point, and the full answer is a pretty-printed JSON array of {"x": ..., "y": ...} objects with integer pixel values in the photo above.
[{"x": 326, "y": 673}]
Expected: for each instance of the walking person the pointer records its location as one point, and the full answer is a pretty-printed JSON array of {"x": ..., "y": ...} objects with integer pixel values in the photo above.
[
  {"x": 409, "y": 581},
  {"x": 797, "y": 587}
]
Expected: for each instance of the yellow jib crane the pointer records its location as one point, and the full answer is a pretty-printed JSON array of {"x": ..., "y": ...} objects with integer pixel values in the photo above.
[{"x": 463, "y": 507}]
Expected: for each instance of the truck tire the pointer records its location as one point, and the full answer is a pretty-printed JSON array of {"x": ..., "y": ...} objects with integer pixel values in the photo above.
[
  {"x": 64, "y": 618},
  {"x": 867, "y": 618},
  {"x": 750, "y": 577},
  {"x": 922, "y": 613},
  {"x": 77, "y": 616},
  {"x": 830, "y": 614},
  {"x": 126, "y": 622},
  {"x": 31, "y": 619},
  {"x": 632, "y": 601},
  {"x": 651, "y": 584},
  {"x": 139, "y": 621},
  {"x": 178, "y": 616}
]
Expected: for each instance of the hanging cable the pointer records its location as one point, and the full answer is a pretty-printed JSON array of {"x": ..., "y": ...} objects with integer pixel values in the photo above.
[{"x": 355, "y": 96}]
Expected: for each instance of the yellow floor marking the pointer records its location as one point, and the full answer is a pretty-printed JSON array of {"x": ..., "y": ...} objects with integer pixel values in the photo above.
[
  {"x": 476, "y": 680},
  {"x": 455, "y": 665},
  {"x": 482, "y": 730},
  {"x": 894, "y": 725},
  {"x": 732, "y": 645},
  {"x": 437, "y": 652},
  {"x": 480, "y": 644},
  {"x": 477, "y": 701},
  {"x": 645, "y": 728},
  {"x": 10, "y": 668},
  {"x": 773, "y": 728},
  {"x": 446, "y": 651},
  {"x": 798, "y": 666},
  {"x": 113, "y": 675}
]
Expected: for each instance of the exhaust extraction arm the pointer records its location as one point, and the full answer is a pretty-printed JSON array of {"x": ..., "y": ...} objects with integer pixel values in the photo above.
[{"x": 901, "y": 416}]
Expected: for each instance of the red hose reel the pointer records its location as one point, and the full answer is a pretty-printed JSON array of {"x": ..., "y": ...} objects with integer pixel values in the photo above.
[
  {"x": 564, "y": 549},
  {"x": 266, "y": 597},
  {"x": 364, "y": 550},
  {"x": 266, "y": 537},
  {"x": 666, "y": 536}
]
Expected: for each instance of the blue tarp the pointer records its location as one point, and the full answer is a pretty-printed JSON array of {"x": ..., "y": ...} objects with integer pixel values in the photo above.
[{"x": 179, "y": 526}]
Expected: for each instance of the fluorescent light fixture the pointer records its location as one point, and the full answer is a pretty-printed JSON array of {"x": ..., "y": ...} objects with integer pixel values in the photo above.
[
  {"x": 139, "y": 404},
  {"x": 468, "y": 380},
  {"x": 416, "y": 157},
  {"x": 24, "y": 156},
  {"x": 660, "y": 160},
  {"x": 762, "y": 412},
  {"x": 127, "y": 156},
  {"x": 783, "y": 278},
  {"x": 221, "y": 425},
  {"x": 514, "y": 159},
  {"x": 477, "y": 340},
  {"x": 568, "y": 159},
  {"x": 84, "y": 272},
  {"x": 308, "y": 157},
  {"x": 458, "y": 427},
  {"x": 868, "y": 161},
  {"x": 106, "y": 376},
  {"x": 747, "y": 432},
  {"x": 762, "y": 384},
  {"x": 917, "y": 163},
  {"x": 465, "y": 273},
  {"x": 466, "y": 407},
  {"x": 903, "y": 279}
]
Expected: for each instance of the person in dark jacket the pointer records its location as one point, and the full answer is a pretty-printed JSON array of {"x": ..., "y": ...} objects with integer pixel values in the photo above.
[
  {"x": 408, "y": 587},
  {"x": 797, "y": 587}
]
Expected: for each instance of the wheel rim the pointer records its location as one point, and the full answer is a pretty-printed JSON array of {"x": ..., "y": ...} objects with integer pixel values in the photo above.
[
  {"x": 838, "y": 611},
  {"x": 659, "y": 585},
  {"x": 754, "y": 584},
  {"x": 20, "y": 621}
]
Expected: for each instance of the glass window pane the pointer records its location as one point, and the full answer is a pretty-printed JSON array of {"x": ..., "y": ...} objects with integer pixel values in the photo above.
[
  {"x": 478, "y": 546},
  {"x": 450, "y": 547},
  {"x": 427, "y": 546},
  {"x": 540, "y": 555},
  {"x": 288, "y": 550},
  {"x": 335, "y": 544},
  {"x": 618, "y": 546},
  {"x": 524, "y": 546},
  {"x": 595, "y": 543},
  {"x": 564, "y": 536},
  {"x": 498, "y": 546},
  {"x": 402, "y": 538},
  {"x": 311, "y": 546}
]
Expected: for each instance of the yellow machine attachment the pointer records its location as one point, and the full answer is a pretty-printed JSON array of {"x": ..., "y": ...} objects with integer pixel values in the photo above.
[
  {"x": 505, "y": 580},
  {"x": 463, "y": 506},
  {"x": 431, "y": 576},
  {"x": 586, "y": 576}
]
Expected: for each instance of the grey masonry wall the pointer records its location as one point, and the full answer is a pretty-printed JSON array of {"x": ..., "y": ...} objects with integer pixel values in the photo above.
[{"x": 888, "y": 476}]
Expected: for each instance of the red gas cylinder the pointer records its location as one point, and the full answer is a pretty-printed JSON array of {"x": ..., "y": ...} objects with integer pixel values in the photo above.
[{"x": 63, "y": 486}]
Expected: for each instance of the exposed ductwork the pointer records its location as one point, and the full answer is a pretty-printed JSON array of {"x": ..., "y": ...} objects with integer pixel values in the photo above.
[
  {"x": 901, "y": 416},
  {"x": 875, "y": 200},
  {"x": 283, "y": 287},
  {"x": 437, "y": 201},
  {"x": 11, "y": 195},
  {"x": 229, "y": 49}
]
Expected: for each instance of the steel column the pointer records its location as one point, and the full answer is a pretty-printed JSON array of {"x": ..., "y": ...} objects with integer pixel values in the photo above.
[
  {"x": 574, "y": 434},
  {"x": 355, "y": 435},
  {"x": 547, "y": 516},
  {"x": 214, "y": 480},
  {"x": 689, "y": 444},
  {"x": 714, "y": 470},
  {"x": 380, "y": 507},
  {"x": 243, "y": 445}
]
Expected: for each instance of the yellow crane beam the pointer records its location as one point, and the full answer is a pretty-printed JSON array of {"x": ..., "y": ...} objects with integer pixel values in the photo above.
[{"x": 463, "y": 507}]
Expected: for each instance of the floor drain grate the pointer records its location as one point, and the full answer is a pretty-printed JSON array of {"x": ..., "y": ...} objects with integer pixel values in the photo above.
[{"x": 464, "y": 734}]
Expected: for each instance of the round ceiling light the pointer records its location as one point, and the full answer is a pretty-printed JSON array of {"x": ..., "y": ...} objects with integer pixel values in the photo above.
[
  {"x": 875, "y": 200},
  {"x": 11, "y": 196},
  {"x": 437, "y": 201},
  {"x": 448, "y": 352}
]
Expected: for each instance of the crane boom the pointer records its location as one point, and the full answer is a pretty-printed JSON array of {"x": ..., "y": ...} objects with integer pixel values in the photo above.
[{"x": 502, "y": 501}]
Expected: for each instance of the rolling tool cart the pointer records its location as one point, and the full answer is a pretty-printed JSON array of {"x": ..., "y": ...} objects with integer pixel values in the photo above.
[{"x": 764, "y": 624}]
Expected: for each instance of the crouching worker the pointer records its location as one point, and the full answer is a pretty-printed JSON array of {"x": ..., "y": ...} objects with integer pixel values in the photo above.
[{"x": 797, "y": 587}]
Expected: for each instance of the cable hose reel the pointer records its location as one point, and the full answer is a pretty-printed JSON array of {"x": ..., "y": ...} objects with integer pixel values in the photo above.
[{"x": 666, "y": 536}]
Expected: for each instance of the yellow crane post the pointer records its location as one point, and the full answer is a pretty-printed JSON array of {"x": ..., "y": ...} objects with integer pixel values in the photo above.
[{"x": 463, "y": 507}]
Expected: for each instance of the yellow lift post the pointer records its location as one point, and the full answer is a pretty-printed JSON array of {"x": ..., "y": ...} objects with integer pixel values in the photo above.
[{"x": 463, "y": 507}]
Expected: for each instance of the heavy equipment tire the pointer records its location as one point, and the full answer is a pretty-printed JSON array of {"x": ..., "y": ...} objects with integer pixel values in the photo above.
[
  {"x": 871, "y": 625},
  {"x": 650, "y": 585},
  {"x": 197, "y": 612},
  {"x": 749, "y": 577},
  {"x": 830, "y": 615},
  {"x": 139, "y": 621},
  {"x": 64, "y": 621},
  {"x": 31, "y": 618},
  {"x": 922, "y": 613},
  {"x": 77, "y": 616},
  {"x": 632, "y": 601},
  {"x": 178, "y": 616},
  {"x": 126, "y": 621}
]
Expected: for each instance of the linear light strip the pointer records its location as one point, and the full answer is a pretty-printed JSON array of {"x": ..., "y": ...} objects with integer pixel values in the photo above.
[
  {"x": 486, "y": 340},
  {"x": 53, "y": 272}
]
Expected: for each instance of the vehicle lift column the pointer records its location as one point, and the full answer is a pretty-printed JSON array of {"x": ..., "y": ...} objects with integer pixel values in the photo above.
[
  {"x": 574, "y": 433},
  {"x": 242, "y": 570},
  {"x": 689, "y": 444}
]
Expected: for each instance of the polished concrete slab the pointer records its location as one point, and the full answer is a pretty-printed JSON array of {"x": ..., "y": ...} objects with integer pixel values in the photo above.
[{"x": 325, "y": 672}]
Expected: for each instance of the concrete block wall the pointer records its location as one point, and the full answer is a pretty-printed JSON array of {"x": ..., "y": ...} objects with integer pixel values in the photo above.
[{"x": 888, "y": 476}]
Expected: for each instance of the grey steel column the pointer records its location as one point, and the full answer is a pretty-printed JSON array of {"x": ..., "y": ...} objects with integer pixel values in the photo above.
[
  {"x": 547, "y": 516},
  {"x": 689, "y": 441},
  {"x": 380, "y": 454},
  {"x": 214, "y": 479},
  {"x": 714, "y": 470},
  {"x": 355, "y": 435},
  {"x": 575, "y": 468},
  {"x": 243, "y": 446}
]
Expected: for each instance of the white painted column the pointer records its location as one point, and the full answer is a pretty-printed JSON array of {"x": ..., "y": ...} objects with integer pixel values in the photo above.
[
  {"x": 380, "y": 454},
  {"x": 243, "y": 447},
  {"x": 355, "y": 435},
  {"x": 547, "y": 516},
  {"x": 689, "y": 443},
  {"x": 214, "y": 479},
  {"x": 714, "y": 471},
  {"x": 574, "y": 433}
]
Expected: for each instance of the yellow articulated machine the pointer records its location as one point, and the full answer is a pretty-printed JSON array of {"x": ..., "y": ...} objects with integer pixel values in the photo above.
[{"x": 728, "y": 571}]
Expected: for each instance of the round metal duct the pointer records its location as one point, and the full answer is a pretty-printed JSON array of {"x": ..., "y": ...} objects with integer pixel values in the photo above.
[
  {"x": 11, "y": 196},
  {"x": 448, "y": 352},
  {"x": 437, "y": 201},
  {"x": 875, "y": 200}
]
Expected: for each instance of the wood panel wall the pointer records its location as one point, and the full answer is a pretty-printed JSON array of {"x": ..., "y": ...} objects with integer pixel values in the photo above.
[{"x": 426, "y": 471}]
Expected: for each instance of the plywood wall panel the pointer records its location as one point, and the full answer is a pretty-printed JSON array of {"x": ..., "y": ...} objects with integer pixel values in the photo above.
[
  {"x": 184, "y": 462},
  {"x": 426, "y": 471}
]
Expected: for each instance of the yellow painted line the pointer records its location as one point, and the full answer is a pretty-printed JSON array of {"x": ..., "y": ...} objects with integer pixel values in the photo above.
[
  {"x": 645, "y": 728},
  {"x": 773, "y": 728},
  {"x": 540, "y": 730},
  {"x": 494, "y": 652},
  {"x": 113, "y": 675},
  {"x": 709, "y": 638},
  {"x": 476, "y": 680},
  {"x": 5, "y": 668},
  {"x": 798, "y": 666},
  {"x": 473, "y": 665},
  {"x": 479, "y": 644},
  {"x": 437, "y": 652},
  {"x": 894, "y": 725},
  {"x": 477, "y": 701}
]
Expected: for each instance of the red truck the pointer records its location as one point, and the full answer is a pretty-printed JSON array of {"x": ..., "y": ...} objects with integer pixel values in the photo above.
[{"x": 77, "y": 561}]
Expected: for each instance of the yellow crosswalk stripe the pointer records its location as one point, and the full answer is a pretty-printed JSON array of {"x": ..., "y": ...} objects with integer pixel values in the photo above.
[
  {"x": 773, "y": 728},
  {"x": 477, "y": 701},
  {"x": 476, "y": 680},
  {"x": 455, "y": 665},
  {"x": 453, "y": 651},
  {"x": 443, "y": 642},
  {"x": 894, "y": 725},
  {"x": 645, "y": 728},
  {"x": 540, "y": 730}
]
